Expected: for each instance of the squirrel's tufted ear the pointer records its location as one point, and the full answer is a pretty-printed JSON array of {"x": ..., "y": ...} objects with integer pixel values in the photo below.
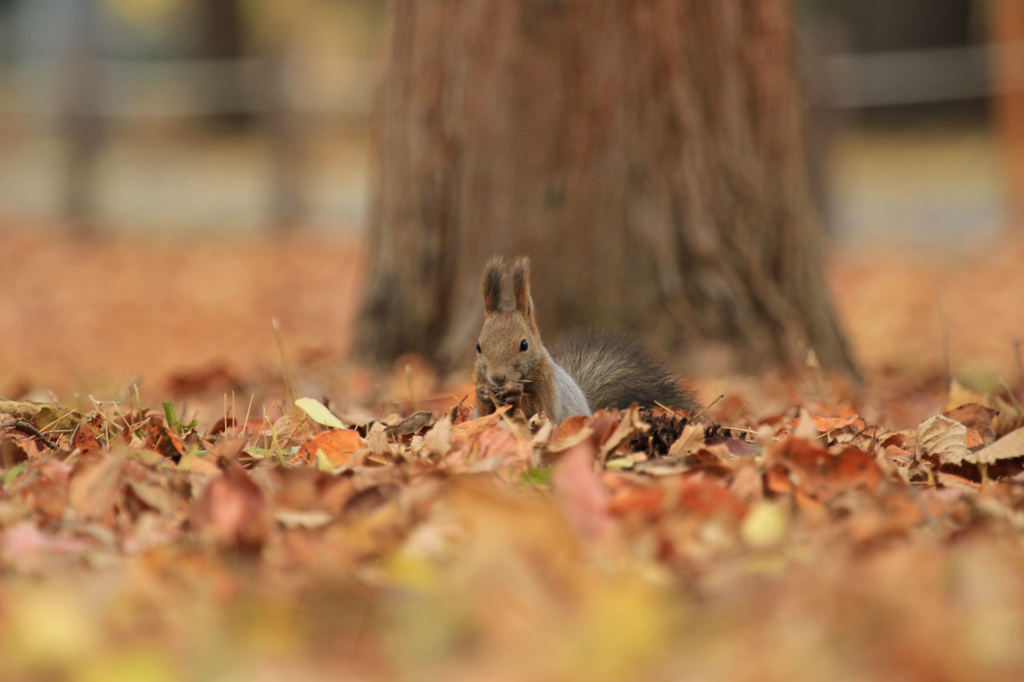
[
  {"x": 521, "y": 286},
  {"x": 492, "y": 285}
]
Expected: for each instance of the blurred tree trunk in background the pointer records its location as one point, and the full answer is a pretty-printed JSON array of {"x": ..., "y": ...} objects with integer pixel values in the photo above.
[
  {"x": 1007, "y": 22},
  {"x": 646, "y": 155},
  {"x": 222, "y": 37},
  {"x": 80, "y": 120}
]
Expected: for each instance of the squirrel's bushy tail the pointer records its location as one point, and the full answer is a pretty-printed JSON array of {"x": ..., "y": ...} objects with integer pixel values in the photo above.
[{"x": 615, "y": 370}]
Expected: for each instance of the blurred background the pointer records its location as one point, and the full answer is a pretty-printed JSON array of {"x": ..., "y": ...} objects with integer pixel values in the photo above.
[
  {"x": 132, "y": 115},
  {"x": 239, "y": 120}
]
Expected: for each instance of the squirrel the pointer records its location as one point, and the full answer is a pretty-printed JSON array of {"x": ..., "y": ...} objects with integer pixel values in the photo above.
[{"x": 587, "y": 371}]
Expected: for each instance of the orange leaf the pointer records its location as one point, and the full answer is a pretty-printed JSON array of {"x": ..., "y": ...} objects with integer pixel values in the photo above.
[
  {"x": 465, "y": 430},
  {"x": 705, "y": 498},
  {"x": 336, "y": 444},
  {"x": 820, "y": 474},
  {"x": 570, "y": 427},
  {"x": 159, "y": 439},
  {"x": 826, "y": 424}
]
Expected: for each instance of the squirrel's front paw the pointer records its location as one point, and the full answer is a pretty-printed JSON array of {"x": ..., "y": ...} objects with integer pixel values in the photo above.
[
  {"x": 510, "y": 394},
  {"x": 488, "y": 398},
  {"x": 485, "y": 400}
]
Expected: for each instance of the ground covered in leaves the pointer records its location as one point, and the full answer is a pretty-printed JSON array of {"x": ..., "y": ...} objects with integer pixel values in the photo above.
[
  {"x": 807, "y": 544},
  {"x": 797, "y": 529}
]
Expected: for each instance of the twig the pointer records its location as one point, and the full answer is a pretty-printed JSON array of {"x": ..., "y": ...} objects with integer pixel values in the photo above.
[
  {"x": 944, "y": 325},
  {"x": 408, "y": 383},
  {"x": 508, "y": 420},
  {"x": 30, "y": 429},
  {"x": 245, "y": 424},
  {"x": 736, "y": 428},
  {"x": 708, "y": 407},
  {"x": 1013, "y": 398},
  {"x": 284, "y": 363},
  {"x": 1020, "y": 366}
]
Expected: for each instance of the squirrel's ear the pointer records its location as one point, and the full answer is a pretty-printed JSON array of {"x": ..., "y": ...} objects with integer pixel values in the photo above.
[
  {"x": 492, "y": 285},
  {"x": 521, "y": 286}
]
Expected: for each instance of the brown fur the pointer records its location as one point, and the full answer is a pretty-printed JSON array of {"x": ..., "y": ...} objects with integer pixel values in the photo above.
[
  {"x": 501, "y": 367},
  {"x": 612, "y": 371},
  {"x": 615, "y": 370}
]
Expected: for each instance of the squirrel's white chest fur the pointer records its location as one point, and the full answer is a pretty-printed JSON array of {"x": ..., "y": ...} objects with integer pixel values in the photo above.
[{"x": 569, "y": 395}]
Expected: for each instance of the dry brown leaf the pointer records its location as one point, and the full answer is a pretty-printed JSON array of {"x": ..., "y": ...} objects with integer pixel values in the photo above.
[
  {"x": 571, "y": 426},
  {"x": 630, "y": 425},
  {"x": 438, "y": 440},
  {"x": 462, "y": 432},
  {"x": 817, "y": 472},
  {"x": 943, "y": 438},
  {"x": 94, "y": 483},
  {"x": 410, "y": 425},
  {"x": 160, "y": 498},
  {"x": 690, "y": 440},
  {"x": 959, "y": 395},
  {"x": 159, "y": 439},
  {"x": 205, "y": 465},
  {"x": 826, "y": 424},
  {"x": 11, "y": 454},
  {"x": 706, "y": 498},
  {"x": 232, "y": 510},
  {"x": 974, "y": 416},
  {"x": 805, "y": 427},
  {"x": 1008, "y": 447}
]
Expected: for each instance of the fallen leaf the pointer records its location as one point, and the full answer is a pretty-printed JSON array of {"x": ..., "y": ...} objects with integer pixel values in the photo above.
[
  {"x": 11, "y": 454},
  {"x": 336, "y": 444},
  {"x": 691, "y": 440},
  {"x": 943, "y": 438},
  {"x": 410, "y": 425},
  {"x": 826, "y": 424},
  {"x": 819, "y": 473},
  {"x": 959, "y": 395},
  {"x": 583, "y": 496},
  {"x": 630, "y": 425},
  {"x": 706, "y": 498},
  {"x": 462, "y": 432},
  {"x": 438, "y": 440},
  {"x": 318, "y": 413},
  {"x": 160, "y": 498},
  {"x": 159, "y": 439},
  {"x": 231, "y": 510},
  {"x": 1009, "y": 446},
  {"x": 94, "y": 484}
]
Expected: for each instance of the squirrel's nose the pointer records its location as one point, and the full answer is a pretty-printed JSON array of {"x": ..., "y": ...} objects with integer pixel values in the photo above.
[{"x": 497, "y": 379}]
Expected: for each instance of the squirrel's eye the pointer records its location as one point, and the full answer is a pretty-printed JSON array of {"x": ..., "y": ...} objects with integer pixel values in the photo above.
[
  {"x": 523, "y": 346},
  {"x": 478, "y": 348}
]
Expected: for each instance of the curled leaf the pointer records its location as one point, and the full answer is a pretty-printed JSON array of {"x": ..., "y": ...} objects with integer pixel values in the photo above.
[{"x": 944, "y": 438}]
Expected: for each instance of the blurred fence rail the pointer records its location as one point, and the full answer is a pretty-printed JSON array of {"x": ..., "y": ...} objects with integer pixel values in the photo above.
[
  {"x": 195, "y": 87},
  {"x": 921, "y": 76},
  {"x": 83, "y": 101}
]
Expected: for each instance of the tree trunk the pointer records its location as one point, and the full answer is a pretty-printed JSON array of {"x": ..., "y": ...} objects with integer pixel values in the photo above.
[
  {"x": 1007, "y": 21},
  {"x": 646, "y": 154}
]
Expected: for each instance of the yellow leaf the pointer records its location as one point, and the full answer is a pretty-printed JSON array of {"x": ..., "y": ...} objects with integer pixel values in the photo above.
[{"x": 318, "y": 413}]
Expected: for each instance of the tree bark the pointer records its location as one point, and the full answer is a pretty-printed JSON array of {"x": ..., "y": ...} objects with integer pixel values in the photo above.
[
  {"x": 647, "y": 155},
  {"x": 1007, "y": 21}
]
